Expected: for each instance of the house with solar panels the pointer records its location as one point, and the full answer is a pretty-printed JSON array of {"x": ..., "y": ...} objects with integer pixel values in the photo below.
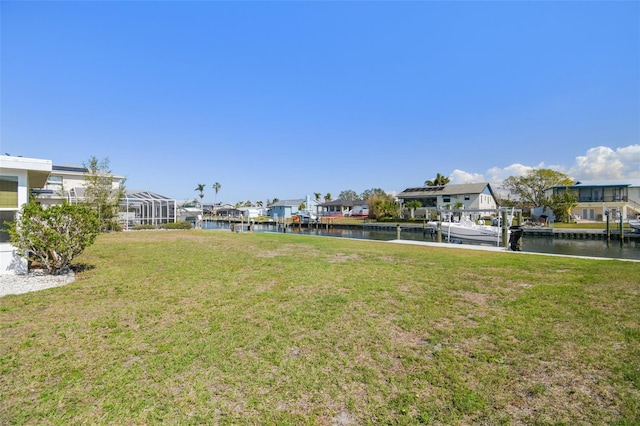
[{"x": 478, "y": 196}]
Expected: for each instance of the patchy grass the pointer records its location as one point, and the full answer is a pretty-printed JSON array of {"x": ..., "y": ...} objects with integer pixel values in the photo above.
[{"x": 205, "y": 327}]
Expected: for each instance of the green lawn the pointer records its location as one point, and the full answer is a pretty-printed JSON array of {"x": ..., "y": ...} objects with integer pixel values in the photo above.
[{"x": 212, "y": 327}]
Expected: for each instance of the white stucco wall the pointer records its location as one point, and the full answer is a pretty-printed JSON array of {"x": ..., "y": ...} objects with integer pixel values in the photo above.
[{"x": 22, "y": 168}]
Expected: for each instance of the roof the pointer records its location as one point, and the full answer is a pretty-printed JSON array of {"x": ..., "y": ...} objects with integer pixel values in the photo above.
[
  {"x": 288, "y": 203},
  {"x": 433, "y": 191},
  {"x": 70, "y": 168},
  {"x": 602, "y": 183},
  {"x": 146, "y": 195},
  {"x": 339, "y": 202},
  {"x": 37, "y": 169}
]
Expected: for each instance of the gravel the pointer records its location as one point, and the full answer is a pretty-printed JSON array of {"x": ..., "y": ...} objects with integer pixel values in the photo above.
[{"x": 33, "y": 281}]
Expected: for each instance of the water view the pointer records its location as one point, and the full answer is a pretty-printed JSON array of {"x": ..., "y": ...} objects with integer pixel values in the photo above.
[{"x": 532, "y": 244}]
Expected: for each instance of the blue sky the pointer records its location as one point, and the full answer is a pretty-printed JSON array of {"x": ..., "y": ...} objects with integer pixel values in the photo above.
[{"x": 284, "y": 98}]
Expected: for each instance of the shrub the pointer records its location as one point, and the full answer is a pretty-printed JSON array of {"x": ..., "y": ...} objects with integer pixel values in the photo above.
[
  {"x": 176, "y": 225},
  {"x": 143, "y": 227},
  {"x": 55, "y": 235}
]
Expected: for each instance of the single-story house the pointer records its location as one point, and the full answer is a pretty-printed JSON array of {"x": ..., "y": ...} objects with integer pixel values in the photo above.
[
  {"x": 18, "y": 176},
  {"x": 478, "y": 196},
  {"x": 596, "y": 198},
  {"x": 340, "y": 208}
]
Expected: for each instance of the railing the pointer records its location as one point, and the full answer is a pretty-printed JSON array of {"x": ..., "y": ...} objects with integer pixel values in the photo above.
[{"x": 607, "y": 199}]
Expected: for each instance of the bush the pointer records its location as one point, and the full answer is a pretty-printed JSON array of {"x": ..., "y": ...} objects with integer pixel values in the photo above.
[
  {"x": 55, "y": 235},
  {"x": 172, "y": 225},
  {"x": 143, "y": 227},
  {"x": 176, "y": 225}
]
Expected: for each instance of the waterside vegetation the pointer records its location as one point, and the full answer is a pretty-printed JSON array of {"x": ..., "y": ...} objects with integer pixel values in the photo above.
[{"x": 201, "y": 327}]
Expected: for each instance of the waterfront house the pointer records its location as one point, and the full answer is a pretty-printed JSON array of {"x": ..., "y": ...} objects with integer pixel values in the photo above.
[
  {"x": 478, "y": 196},
  {"x": 342, "y": 208},
  {"x": 18, "y": 175},
  {"x": 284, "y": 209},
  {"x": 287, "y": 208},
  {"x": 620, "y": 198}
]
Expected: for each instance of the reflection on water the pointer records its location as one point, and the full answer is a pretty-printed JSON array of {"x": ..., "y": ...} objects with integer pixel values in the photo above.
[{"x": 594, "y": 248}]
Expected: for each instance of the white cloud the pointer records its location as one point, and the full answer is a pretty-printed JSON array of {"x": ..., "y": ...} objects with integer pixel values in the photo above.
[
  {"x": 460, "y": 176},
  {"x": 603, "y": 163}
]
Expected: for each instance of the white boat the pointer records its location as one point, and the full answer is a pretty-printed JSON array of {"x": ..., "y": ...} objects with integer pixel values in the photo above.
[
  {"x": 467, "y": 229},
  {"x": 635, "y": 224}
]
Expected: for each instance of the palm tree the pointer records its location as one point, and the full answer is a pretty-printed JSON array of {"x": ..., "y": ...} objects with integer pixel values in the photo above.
[
  {"x": 318, "y": 196},
  {"x": 200, "y": 189},
  {"x": 259, "y": 203},
  {"x": 216, "y": 187},
  {"x": 440, "y": 180},
  {"x": 327, "y": 197}
]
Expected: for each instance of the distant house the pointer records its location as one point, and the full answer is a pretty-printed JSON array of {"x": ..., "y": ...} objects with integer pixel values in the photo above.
[
  {"x": 343, "y": 208},
  {"x": 18, "y": 176},
  {"x": 287, "y": 208},
  {"x": 284, "y": 208},
  {"x": 595, "y": 198},
  {"x": 467, "y": 196},
  {"x": 229, "y": 211},
  {"x": 253, "y": 212}
]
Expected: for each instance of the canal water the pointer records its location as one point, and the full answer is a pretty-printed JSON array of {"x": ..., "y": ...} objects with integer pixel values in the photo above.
[{"x": 532, "y": 244}]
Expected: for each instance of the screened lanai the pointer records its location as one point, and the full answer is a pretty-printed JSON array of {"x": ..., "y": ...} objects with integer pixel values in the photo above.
[{"x": 146, "y": 208}]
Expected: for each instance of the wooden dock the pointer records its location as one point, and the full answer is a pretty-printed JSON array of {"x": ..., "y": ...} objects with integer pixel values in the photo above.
[{"x": 581, "y": 234}]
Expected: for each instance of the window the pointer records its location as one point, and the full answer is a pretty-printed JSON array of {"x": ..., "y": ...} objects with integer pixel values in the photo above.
[
  {"x": 5, "y": 216},
  {"x": 467, "y": 198},
  {"x": 446, "y": 199},
  {"x": 54, "y": 183},
  {"x": 9, "y": 192}
]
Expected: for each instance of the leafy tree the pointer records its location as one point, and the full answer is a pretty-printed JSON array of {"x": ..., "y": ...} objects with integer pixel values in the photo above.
[
  {"x": 248, "y": 203},
  {"x": 371, "y": 192},
  {"x": 55, "y": 235},
  {"x": 275, "y": 200},
  {"x": 439, "y": 180},
  {"x": 302, "y": 206},
  {"x": 530, "y": 188},
  {"x": 382, "y": 206},
  {"x": 100, "y": 194},
  {"x": 349, "y": 195},
  {"x": 216, "y": 187},
  {"x": 561, "y": 204},
  {"x": 413, "y": 205}
]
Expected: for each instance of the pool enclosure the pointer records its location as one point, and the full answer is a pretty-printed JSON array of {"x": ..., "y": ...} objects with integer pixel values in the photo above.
[{"x": 146, "y": 208}]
